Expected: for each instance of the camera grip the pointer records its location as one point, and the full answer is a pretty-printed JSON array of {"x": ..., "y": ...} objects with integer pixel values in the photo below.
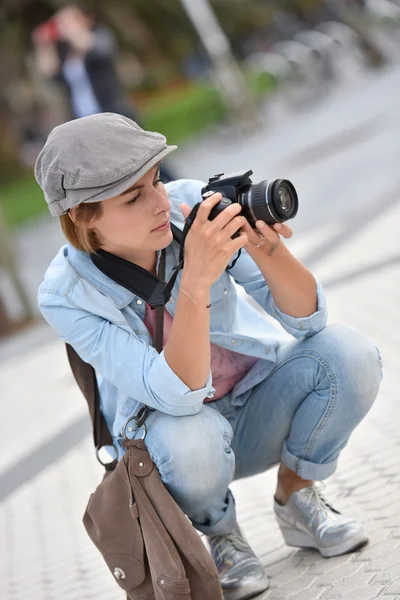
[{"x": 222, "y": 204}]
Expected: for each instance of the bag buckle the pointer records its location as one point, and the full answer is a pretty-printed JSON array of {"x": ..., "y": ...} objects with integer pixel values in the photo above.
[
  {"x": 139, "y": 420},
  {"x": 109, "y": 464}
]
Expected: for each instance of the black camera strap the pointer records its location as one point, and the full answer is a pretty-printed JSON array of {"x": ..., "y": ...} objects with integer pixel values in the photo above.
[{"x": 151, "y": 288}]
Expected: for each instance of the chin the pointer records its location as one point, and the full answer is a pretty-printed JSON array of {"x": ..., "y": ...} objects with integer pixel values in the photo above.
[{"x": 166, "y": 240}]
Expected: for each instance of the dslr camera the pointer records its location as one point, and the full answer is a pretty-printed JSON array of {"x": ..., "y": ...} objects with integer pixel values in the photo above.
[{"x": 272, "y": 201}]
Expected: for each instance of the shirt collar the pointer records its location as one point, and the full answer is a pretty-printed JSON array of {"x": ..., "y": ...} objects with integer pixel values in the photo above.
[{"x": 82, "y": 264}]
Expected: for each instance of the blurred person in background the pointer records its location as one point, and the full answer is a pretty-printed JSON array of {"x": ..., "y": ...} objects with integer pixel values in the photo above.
[
  {"x": 80, "y": 54},
  {"x": 232, "y": 394}
]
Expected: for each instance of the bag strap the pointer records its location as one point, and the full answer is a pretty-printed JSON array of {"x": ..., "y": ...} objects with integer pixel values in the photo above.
[{"x": 85, "y": 377}]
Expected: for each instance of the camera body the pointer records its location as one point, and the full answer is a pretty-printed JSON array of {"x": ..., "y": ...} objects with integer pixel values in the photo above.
[{"x": 272, "y": 201}]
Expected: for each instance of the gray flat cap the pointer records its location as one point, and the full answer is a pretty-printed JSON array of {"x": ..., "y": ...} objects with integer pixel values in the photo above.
[{"x": 95, "y": 158}]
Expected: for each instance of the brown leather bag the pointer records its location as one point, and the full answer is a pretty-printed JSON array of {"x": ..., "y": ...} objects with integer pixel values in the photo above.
[{"x": 148, "y": 543}]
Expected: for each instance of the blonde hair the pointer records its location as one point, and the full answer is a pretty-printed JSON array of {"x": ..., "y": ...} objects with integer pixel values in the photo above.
[{"x": 78, "y": 232}]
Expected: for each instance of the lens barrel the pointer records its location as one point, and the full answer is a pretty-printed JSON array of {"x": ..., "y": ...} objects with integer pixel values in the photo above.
[{"x": 273, "y": 201}]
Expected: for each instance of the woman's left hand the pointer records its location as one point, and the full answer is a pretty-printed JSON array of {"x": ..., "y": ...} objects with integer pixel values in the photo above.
[{"x": 271, "y": 234}]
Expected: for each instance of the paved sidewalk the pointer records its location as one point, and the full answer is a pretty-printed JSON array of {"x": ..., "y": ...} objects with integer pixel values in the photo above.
[{"x": 45, "y": 552}]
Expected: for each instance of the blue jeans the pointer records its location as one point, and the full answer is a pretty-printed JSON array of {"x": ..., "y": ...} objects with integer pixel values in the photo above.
[{"x": 302, "y": 414}]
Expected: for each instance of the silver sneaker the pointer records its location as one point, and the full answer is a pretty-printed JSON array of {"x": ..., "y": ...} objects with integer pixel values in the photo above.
[
  {"x": 308, "y": 521},
  {"x": 241, "y": 573}
]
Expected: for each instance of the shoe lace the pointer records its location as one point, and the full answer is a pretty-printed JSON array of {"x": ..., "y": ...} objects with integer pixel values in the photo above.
[
  {"x": 315, "y": 499},
  {"x": 223, "y": 544}
]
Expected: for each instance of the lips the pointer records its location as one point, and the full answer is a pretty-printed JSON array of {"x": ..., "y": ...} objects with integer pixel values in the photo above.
[{"x": 162, "y": 225}]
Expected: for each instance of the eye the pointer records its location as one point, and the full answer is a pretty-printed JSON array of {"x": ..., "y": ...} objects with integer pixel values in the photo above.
[
  {"x": 157, "y": 181},
  {"x": 132, "y": 200}
]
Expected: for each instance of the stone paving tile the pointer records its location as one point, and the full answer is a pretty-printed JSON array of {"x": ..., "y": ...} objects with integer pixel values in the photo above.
[
  {"x": 395, "y": 532},
  {"x": 394, "y": 588},
  {"x": 350, "y": 584},
  {"x": 385, "y": 548},
  {"x": 311, "y": 593},
  {"x": 287, "y": 576},
  {"x": 365, "y": 592},
  {"x": 340, "y": 573},
  {"x": 285, "y": 565},
  {"x": 293, "y": 587},
  {"x": 322, "y": 565},
  {"x": 387, "y": 576}
]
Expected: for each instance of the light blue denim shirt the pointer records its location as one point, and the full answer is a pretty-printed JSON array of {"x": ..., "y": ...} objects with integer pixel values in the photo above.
[{"x": 103, "y": 321}]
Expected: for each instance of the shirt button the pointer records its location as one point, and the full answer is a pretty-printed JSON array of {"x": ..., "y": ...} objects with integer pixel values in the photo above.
[
  {"x": 225, "y": 292},
  {"x": 210, "y": 394},
  {"x": 267, "y": 350},
  {"x": 233, "y": 342},
  {"x": 172, "y": 300},
  {"x": 139, "y": 302}
]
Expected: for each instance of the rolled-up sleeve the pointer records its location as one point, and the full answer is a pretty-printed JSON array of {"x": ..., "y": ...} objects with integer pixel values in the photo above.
[
  {"x": 301, "y": 327},
  {"x": 164, "y": 382},
  {"x": 247, "y": 274},
  {"x": 127, "y": 362}
]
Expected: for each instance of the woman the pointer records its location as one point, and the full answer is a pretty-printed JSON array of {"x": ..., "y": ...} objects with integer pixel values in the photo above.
[
  {"x": 228, "y": 383},
  {"x": 80, "y": 55}
]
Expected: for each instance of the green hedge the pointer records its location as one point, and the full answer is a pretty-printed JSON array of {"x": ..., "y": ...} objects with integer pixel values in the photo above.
[
  {"x": 22, "y": 200},
  {"x": 181, "y": 116}
]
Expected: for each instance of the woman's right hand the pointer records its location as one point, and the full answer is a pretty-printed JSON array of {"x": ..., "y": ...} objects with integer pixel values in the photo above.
[{"x": 209, "y": 246}]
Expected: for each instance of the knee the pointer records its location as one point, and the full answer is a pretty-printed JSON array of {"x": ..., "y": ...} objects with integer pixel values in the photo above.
[
  {"x": 355, "y": 362},
  {"x": 193, "y": 455}
]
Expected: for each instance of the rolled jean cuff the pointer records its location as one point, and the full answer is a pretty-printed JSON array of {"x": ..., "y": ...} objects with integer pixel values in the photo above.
[
  {"x": 307, "y": 469},
  {"x": 226, "y": 523}
]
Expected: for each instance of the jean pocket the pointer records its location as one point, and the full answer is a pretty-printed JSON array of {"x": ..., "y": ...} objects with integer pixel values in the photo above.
[{"x": 227, "y": 431}]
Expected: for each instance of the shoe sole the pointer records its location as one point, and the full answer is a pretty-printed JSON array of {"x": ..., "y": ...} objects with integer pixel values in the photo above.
[
  {"x": 245, "y": 594},
  {"x": 300, "y": 539}
]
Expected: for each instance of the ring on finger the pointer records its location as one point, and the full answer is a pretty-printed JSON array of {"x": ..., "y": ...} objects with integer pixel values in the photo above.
[{"x": 262, "y": 240}]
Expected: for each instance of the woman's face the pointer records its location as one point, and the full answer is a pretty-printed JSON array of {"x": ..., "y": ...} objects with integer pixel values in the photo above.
[{"x": 130, "y": 222}]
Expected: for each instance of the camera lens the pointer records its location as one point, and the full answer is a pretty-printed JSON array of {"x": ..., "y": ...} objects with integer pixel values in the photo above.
[
  {"x": 273, "y": 201},
  {"x": 285, "y": 199}
]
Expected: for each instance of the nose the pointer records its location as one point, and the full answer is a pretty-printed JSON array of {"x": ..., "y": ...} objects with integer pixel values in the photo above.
[{"x": 161, "y": 204}]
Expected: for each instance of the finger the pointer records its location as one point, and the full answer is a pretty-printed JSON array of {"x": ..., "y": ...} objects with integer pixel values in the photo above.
[
  {"x": 226, "y": 216},
  {"x": 186, "y": 210},
  {"x": 233, "y": 226},
  {"x": 267, "y": 231},
  {"x": 239, "y": 242},
  {"x": 207, "y": 205},
  {"x": 283, "y": 229},
  {"x": 271, "y": 232},
  {"x": 252, "y": 234}
]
